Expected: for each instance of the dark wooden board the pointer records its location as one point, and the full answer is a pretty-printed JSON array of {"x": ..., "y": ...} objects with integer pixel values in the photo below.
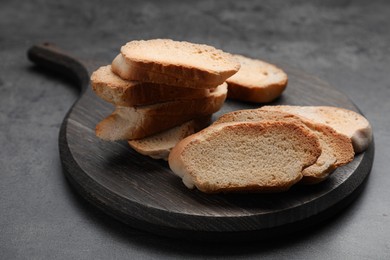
[{"x": 145, "y": 194}]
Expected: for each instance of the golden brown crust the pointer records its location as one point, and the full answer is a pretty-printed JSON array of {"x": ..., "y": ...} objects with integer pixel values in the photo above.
[
  {"x": 132, "y": 71},
  {"x": 117, "y": 91},
  {"x": 127, "y": 123},
  {"x": 176, "y": 63},
  {"x": 255, "y": 95}
]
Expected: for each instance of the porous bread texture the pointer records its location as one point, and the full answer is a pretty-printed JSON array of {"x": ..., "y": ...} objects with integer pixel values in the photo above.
[
  {"x": 336, "y": 148},
  {"x": 159, "y": 146},
  {"x": 112, "y": 88},
  {"x": 344, "y": 121},
  {"x": 129, "y": 71},
  {"x": 254, "y": 115},
  {"x": 256, "y": 81},
  {"x": 128, "y": 123},
  {"x": 265, "y": 156},
  {"x": 177, "y": 63}
]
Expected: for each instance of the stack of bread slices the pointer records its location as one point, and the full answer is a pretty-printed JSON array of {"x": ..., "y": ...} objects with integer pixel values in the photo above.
[
  {"x": 270, "y": 149},
  {"x": 163, "y": 91}
]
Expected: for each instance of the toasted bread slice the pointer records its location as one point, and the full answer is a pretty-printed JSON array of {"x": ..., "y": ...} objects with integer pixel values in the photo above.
[
  {"x": 344, "y": 121},
  {"x": 158, "y": 146},
  {"x": 174, "y": 63},
  {"x": 336, "y": 148},
  {"x": 128, "y": 123},
  {"x": 111, "y": 88},
  {"x": 256, "y": 81},
  {"x": 129, "y": 72},
  {"x": 266, "y": 156}
]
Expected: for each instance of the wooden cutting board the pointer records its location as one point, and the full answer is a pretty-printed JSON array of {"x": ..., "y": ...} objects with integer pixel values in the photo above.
[{"x": 144, "y": 193}]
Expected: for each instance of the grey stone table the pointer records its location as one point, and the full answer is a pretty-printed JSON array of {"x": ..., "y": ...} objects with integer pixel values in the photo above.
[{"x": 346, "y": 43}]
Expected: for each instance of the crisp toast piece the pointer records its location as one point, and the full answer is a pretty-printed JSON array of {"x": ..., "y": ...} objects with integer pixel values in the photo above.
[
  {"x": 128, "y": 123},
  {"x": 160, "y": 145},
  {"x": 336, "y": 148},
  {"x": 266, "y": 156},
  {"x": 175, "y": 63},
  {"x": 256, "y": 81},
  {"x": 112, "y": 88},
  {"x": 344, "y": 121}
]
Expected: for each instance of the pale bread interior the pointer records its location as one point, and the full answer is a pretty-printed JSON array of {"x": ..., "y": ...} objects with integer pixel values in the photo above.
[
  {"x": 222, "y": 157},
  {"x": 337, "y": 149}
]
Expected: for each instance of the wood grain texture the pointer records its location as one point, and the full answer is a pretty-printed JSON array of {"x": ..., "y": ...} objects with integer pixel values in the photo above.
[{"x": 145, "y": 194}]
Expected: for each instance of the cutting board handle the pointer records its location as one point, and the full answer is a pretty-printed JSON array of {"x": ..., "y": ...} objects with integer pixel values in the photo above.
[{"x": 54, "y": 59}]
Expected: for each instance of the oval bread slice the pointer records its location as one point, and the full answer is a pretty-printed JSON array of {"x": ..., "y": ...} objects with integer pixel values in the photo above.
[
  {"x": 344, "y": 121},
  {"x": 128, "y": 123},
  {"x": 264, "y": 156},
  {"x": 256, "y": 81},
  {"x": 118, "y": 91},
  {"x": 336, "y": 148},
  {"x": 176, "y": 63}
]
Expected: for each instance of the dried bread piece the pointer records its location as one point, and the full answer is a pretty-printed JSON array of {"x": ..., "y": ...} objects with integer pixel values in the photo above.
[
  {"x": 256, "y": 81},
  {"x": 344, "y": 121},
  {"x": 128, "y": 123},
  {"x": 336, "y": 148},
  {"x": 127, "y": 71},
  {"x": 159, "y": 146},
  {"x": 111, "y": 88},
  {"x": 175, "y": 63},
  {"x": 265, "y": 156}
]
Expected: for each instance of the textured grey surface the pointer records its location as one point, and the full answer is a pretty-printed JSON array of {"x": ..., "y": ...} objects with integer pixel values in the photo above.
[{"x": 343, "y": 42}]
